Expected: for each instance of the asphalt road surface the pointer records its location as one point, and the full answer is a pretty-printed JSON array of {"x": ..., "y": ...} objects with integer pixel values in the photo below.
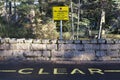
[{"x": 55, "y": 71}]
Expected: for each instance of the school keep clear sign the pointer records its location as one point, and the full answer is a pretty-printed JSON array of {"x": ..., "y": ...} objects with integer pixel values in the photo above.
[{"x": 61, "y": 13}]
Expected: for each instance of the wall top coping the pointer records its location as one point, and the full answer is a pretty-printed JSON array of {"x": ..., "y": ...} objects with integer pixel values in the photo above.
[{"x": 49, "y": 41}]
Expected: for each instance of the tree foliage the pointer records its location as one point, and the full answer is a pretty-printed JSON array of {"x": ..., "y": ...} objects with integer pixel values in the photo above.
[{"x": 32, "y": 20}]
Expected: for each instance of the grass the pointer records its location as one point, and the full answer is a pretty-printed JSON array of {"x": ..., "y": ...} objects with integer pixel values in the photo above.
[
  {"x": 67, "y": 36},
  {"x": 113, "y": 36}
]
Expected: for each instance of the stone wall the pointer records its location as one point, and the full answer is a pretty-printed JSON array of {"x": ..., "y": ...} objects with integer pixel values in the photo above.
[{"x": 35, "y": 49}]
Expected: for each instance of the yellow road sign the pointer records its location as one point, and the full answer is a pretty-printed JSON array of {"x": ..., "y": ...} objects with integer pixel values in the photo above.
[{"x": 61, "y": 13}]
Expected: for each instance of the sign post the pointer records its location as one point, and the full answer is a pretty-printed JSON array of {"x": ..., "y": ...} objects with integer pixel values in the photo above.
[
  {"x": 101, "y": 23},
  {"x": 61, "y": 30},
  {"x": 61, "y": 13}
]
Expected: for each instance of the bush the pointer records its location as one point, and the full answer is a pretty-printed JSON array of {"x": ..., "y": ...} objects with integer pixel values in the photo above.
[
  {"x": 15, "y": 32},
  {"x": 66, "y": 35},
  {"x": 46, "y": 31}
]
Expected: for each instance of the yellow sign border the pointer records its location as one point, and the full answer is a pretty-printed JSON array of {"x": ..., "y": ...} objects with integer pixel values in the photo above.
[{"x": 60, "y": 13}]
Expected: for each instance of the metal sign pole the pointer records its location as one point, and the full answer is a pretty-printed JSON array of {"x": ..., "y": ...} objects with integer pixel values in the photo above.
[
  {"x": 100, "y": 30},
  {"x": 78, "y": 20},
  {"x": 72, "y": 20},
  {"x": 61, "y": 13},
  {"x": 101, "y": 24},
  {"x": 61, "y": 30}
]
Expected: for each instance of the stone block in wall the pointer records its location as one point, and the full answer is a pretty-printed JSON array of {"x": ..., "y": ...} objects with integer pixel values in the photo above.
[
  {"x": 72, "y": 54},
  {"x": 21, "y": 40},
  {"x": 73, "y": 47},
  {"x": 26, "y": 53},
  {"x": 23, "y": 46},
  {"x": 109, "y": 46},
  {"x": 38, "y": 53},
  {"x": 85, "y": 41},
  {"x": 119, "y": 46},
  {"x": 45, "y": 59},
  {"x": 69, "y": 54},
  {"x": 57, "y": 59},
  {"x": 84, "y": 55},
  {"x": 103, "y": 46},
  {"x": 61, "y": 41},
  {"x": 77, "y": 53},
  {"x": 7, "y": 40},
  {"x": 46, "y": 54},
  {"x": 110, "y": 41},
  {"x": 88, "y": 46},
  {"x": 112, "y": 53},
  {"x": 113, "y": 46},
  {"x": 119, "y": 53},
  {"x": 45, "y": 41},
  {"x": 115, "y": 58},
  {"x": 101, "y": 53},
  {"x": 69, "y": 41},
  {"x": 77, "y": 41},
  {"x": 96, "y": 47},
  {"x": 28, "y": 41},
  {"x": 37, "y": 41},
  {"x": 35, "y": 59},
  {"x": 32, "y": 54},
  {"x": 70, "y": 47},
  {"x": 2, "y": 53},
  {"x": 101, "y": 41},
  {"x": 53, "y": 41},
  {"x": 2, "y": 58},
  {"x": 104, "y": 58},
  {"x": 65, "y": 41},
  {"x": 66, "y": 47},
  {"x": 4, "y": 46},
  {"x": 93, "y": 41},
  {"x": 38, "y": 47},
  {"x": 20, "y": 46},
  {"x": 13, "y": 41},
  {"x": 41, "y": 59},
  {"x": 17, "y": 52},
  {"x": 117, "y": 41},
  {"x": 57, "y": 53},
  {"x": 89, "y": 52},
  {"x": 79, "y": 46},
  {"x": 51, "y": 46},
  {"x": 17, "y": 55},
  {"x": 2, "y": 41},
  {"x": 13, "y": 46},
  {"x": 91, "y": 46},
  {"x": 13, "y": 58},
  {"x": 6, "y": 53}
]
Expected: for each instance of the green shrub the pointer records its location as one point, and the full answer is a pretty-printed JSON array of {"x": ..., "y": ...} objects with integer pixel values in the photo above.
[
  {"x": 46, "y": 31},
  {"x": 15, "y": 32},
  {"x": 66, "y": 35}
]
